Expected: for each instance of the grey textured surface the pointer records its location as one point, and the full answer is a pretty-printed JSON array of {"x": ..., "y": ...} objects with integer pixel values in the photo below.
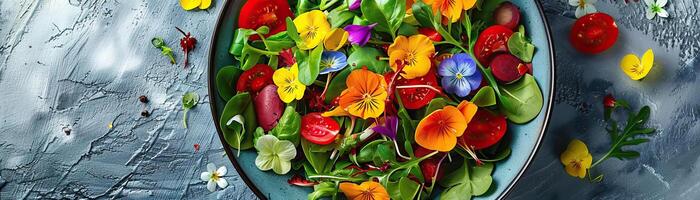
[{"x": 82, "y": 64}]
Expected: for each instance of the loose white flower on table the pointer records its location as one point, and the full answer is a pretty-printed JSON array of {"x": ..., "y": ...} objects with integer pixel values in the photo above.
[
  {"x": 274, "y": 154},
  {"x": 583, "y": 7},
  {"x": 214, "y": 177},
  {"x": 656, "y": 8}
]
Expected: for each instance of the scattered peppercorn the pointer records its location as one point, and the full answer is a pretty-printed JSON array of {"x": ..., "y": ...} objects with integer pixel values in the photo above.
[
  {"x": 143, "y": 99},
  {"x": 145, "y": 113},
  {"x": 67, "y": 130}
]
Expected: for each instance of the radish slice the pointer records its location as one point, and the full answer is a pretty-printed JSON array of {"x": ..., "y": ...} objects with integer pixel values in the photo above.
[
  {"x": 508, "y": 15},
  {"x": 508, "y": 68}
]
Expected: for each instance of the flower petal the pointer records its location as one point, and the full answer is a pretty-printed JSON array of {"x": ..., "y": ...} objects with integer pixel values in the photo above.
[
  {"x": 439, "y": 130},
  {"x": 222, "y": 183},
  {"x": 285, "y": 150},
  {"x": 631, "y": 65},
  {"x": 590, "y": 8},
  {"x": 475, "y": 80},
  {"x": 447, "y": 67},
  {"x": 205, "y": 4},
  {"x": 573, "y": 2},
  {"x": 351, "y": 190},
  {"x": 205, "y": 176},
  {"x": 190, "y": 4},
  {"x": 313, "y": 27},
  {"x": 580, "y": 12},
  {"x": 265, "y": 162},
  {"x": 650, "y": 14},
  {"x": 462, "y": 87},
  {"x": 211, "y": 186},
  {"x": 211, "y": 167},
  {"x": 221, "y": 171},
  {"x": 649, "y": 2},
  {"x": 468, "y": 109},
  {"x": 661, "y": 3},
  {"x": 265, "y": 144},
  {"x": 335, "y": 39},
  {"x": 282, "y": 167},
  {"x": 663, "y": 13}
]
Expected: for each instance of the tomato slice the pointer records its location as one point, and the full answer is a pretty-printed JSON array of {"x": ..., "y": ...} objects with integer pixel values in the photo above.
[
  {"x": 485, "y": 130},
  {"x": 318, "y": 129},
  {"x": 270, "y": 13},
  {"x": 255, "y": 78},
  {"x": 415, "y": 98},
  {"x": 431, "y": 33},
  {"x": 429, "y": 166},
  {"x": 491, "y": 41},
  {"x": 594, "y": 33}
]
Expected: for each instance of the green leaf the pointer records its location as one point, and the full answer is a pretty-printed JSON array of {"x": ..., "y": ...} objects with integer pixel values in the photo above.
[
  {"x": 240, "y": 38},
  {"x": 521, "y": 101},
  {"x": 484, "y": 97},
  {"x": 388, "y": 14},
  {"x": 318, "y": 160},
  {"x": 435, "y": 104},
  {"x": 368, "y": 152},
  {"x": 407, "y": 29},
  {"x": 367, "y": 56},
  {"x": 289, "y": 126},
  {"x": 259, "y": 132},
  {"x": 226, "y": 81},
  {"x": 309, "y": 67},
  {"x": 292, "y": 32},
  {"x": 481, "y": 178},
  {"x": 239, "y": 104},
  {"x": 189, "y": 100},
  {"x": 279, "y": 42},
  {"x": 423, "y": 14},
  {"x": 409, "y": 188},
  {"x": 520, "y": 47},
  {"x": 624, "y": 154},
  {"x": 338, "y": 17},
  {"x": 323, "y": 189},
  {"x": 337, "y": 85},
  {"x": 467, "y": 181},
  {"x": 459, "y": 191}
]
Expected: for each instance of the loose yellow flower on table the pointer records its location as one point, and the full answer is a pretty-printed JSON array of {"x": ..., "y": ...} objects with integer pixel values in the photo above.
[
  {"x": 576, "y": 159},
  {"x": 365, "y": 94},
  {"x": 637, "y": 69},
  {"x": 192, "y": 4},
  {"x": 440, "y": 129},
  {"x": 288, "y": 85},
  {"x": 365, "y": 191},
  {"x": 313, "y": 27},
  {"x": 336, "y": 39},
  {"x": 415, "y": 52}
]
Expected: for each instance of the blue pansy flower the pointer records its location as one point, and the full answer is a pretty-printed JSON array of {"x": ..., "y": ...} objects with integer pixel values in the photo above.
[
  {"x": 332, "y": 61},
  {"x": 459, "y": 75}
]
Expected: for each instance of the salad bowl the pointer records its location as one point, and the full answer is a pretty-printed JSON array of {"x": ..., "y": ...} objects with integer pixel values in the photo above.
[{"x": 524, "y": 139}]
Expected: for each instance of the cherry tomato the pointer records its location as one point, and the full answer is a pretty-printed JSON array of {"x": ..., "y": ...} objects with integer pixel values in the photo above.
[
  {"x": 594, "y": 33},
  {"x": 485, "y": 130},
  {"x": 429, "y": 166},
  {"x": 431, "y": 33},
  {"x": 491, "y": 41},
  {"x": 255, "y": 78},
  {"x": 415, "y": 98},
  {"x": 270, "y": 13},
  {"x": 318, "y": 129}
]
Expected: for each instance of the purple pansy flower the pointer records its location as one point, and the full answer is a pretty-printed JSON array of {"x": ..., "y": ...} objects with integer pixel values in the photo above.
[
  {"x": 358, "y": 34},
  {"x": 355, "y": 5},
  {"x": 459, "y": 75},
  {"x": 391, "y": 125}
]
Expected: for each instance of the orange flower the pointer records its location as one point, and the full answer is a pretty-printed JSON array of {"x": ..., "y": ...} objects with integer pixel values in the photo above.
[
  {"x": 368, "y": 190},
  {"x": 365, "y": 95},
  {"x": 452, "y": 9},
  {"x": 440, "y": 129},
  {"x": 468, "y": 109}
]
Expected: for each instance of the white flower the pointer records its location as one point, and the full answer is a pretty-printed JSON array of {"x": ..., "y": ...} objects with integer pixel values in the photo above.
[
  {"x": 274, "y": 154},
  {"x": 583, "y": 7},
  {"x": 214, "y": 177},
  {"x": 656, "y": 8}
]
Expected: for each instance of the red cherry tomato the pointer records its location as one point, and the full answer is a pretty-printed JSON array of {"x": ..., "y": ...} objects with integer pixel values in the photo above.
[
  {"x": 415, "y": 98},
  {"x": 431, "y": 33},
  {"x": 318, "y": 129},
  {"x": 255, "y": 78},
  {"x": 429, "y": 166},
  {"x": 491, "y": 41},
  {"x": 594, "y": 33},
  {"x": 270, "y": 13},
  {"x": 485, "y": 130}
]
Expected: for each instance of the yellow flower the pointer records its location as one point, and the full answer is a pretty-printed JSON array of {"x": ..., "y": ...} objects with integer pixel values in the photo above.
[
  {"x": 335, "y": 39},
  {"x": 452, "y": 9},
  {"x": 313, "y": 27},
  {"x": 190, "y": 4},
  {"x": 576, "y": 159},
  {"x": 468, "y": 4},
  {"x": 205, "y": 4},
  {"x": 636, "y": 69},
  {"x": 365, "y": 94},
  {"x": 365, "y": 191},
  {"x": 288, "y": 85},
  {"x": 415, "y": 52}
]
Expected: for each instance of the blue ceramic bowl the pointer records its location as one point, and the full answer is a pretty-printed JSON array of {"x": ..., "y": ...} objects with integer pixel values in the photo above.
[{"x": 525, "y": 139}]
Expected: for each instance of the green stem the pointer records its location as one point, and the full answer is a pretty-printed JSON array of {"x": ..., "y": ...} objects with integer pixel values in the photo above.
[{"x": 184, "y": 118}]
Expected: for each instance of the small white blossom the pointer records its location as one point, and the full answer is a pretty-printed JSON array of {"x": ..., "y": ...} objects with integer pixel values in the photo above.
[
  {"x": 214, "y": 177},
  {"x": 583, "y": 7},
  {"x": 656, "y": 8}
]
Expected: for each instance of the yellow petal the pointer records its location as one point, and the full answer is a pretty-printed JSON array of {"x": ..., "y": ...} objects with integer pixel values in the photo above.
[
  {"x": 190, "y": 4},
  {"x": 631, "y": 66},
  {"x": 468, "y": 4},
  {"x": 205, "y": 4},
  {"x": 337, "y": 112},
  {"x": 299, "y": 91},
  {"x": 282, "y": 76},
  {"x": 575, "y": 171},
  {"x": 313, "y": 27},
  {"x": 647, "y": 62},
  {"x": 335, "y": 39}
]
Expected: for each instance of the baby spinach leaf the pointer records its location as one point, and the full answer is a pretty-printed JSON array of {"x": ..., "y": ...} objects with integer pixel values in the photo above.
[
  {"x": 226, "y": 81},
  {"x": 309, "y": 67},
  {"x": 337, "y": 85},
  {"x": 520, "y": 47},
  {"x": 338, "y": 17},
  {"x": 423, "y": 14},
  {"x": 435, "y": 104},
  {"x": 521, "y": 101},
  {"x": 367, "y": 56},
  {"x": 318, "y": 160},
  {"x": 467, "y": 181},
  {"x": 459, "y": 191},
  {"x": 409, "y": 188},
  {"x": 481, "y": 179},
  {"x": 388, "y": 14},
  {"x": 240, "y": 38},
  {"x": 292, "y": 32},
  {"x": 484, "y": 97},
  {"x": 239, "y": 105},
  {"x": 288, "y": 127},
  {"x": 189, "y": 100},
  {"x": 279, "y": 42}
]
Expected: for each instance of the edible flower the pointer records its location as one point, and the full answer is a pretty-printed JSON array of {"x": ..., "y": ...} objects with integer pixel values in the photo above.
[
  {"x": 214, "y": 177},
  {"x": 355, "y": 5},
  {"x": 366, "y": 94},
  {"x": 335, "y": 39},
  {"x": 332, "y": 61},
  {"x": 637, "y": 69},
  {"x": 451, "y": 9},
  {"x": 415, "y": 52},
  {"x": 609, "y": 101},
  {"x": 459, "y": 74},
  {"x": 387, "y": 127},
  {"x": 192, "y": 4},
  {"x": 313, "y": 27},
  {"x": 359, "y": 35},
  {"x": 288, "y": 85},
  {"x": 576, "y": 159},
  {"x": 656, "y": 8},
  {"x": 365, "y": 191},
  {"x": 440, "y": 129},
  {"x": 583, "y": 7},
  {"x": 274, "y": 154}
]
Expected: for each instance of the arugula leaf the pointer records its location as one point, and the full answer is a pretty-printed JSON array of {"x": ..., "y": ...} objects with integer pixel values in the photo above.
[
  {"x": 629, "y": 135},
  {"x": 288, "y": 127},
  {"x": 388, "y": 14}
]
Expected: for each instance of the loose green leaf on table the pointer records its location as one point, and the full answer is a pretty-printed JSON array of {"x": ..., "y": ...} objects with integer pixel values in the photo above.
[
  {"x": 164, "y": 49},
  {"x": 226, "y": 80},
  {"x": 189, "y": 100},
  {"x": 521, "y": 101}
]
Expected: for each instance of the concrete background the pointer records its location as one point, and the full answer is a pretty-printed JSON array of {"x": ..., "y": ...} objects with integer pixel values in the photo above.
[{"x": 82, "y": 64}]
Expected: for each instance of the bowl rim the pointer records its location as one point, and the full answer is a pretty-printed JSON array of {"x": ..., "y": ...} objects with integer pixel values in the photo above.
[{"x": 213, "y": 94}]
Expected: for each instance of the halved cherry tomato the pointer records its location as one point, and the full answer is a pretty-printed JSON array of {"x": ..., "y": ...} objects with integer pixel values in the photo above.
[
  {"x": 485, "y": 130},
  {"x": 491, "y": 41},
  {"x": 255, "y": 78},
  {"x": 429, "y": 166},
  {"x": 594, "y": 33},
  {"x": 318, "y": 129},
  {"x": 431, "y": 33},
  {"x": 270, "y": 13},
  {"x": 415, "y": 98}
]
